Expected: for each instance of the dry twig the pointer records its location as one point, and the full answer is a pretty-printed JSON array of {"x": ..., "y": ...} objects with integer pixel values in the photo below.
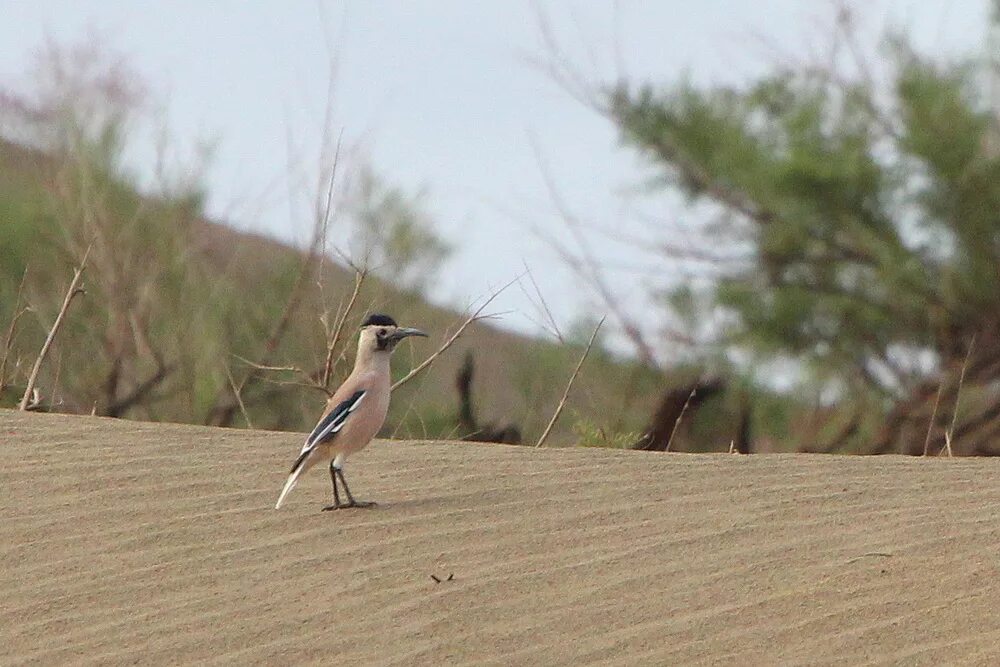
[
  {"x": 588, "y": 268},
  {"x": 677, "y": 423},
  {"x": 474, "y": 317},
  {"x": 930, "y": 426},
  {"x": 542, "y": 304},
  {"x": 265, "y": 367},
  {"x": 222, "y": 413},
  {"x": 569, "y": 385},
  {"x": 958, "y": 395},
  {"x": 9, "y": 340},
  {"x": 239, "y": 398},
  {"x": 333, "y": 340},
  {"x": 309, "y": 380},
  {"x": 74, "y": 289},
  {"x": 35, "y": 402}
]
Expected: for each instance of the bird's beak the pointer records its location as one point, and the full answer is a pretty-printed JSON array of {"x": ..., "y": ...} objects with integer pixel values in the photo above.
[{"x": 406, "y": 332}]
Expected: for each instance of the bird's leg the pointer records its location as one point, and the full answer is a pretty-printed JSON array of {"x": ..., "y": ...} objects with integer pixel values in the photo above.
[
  {"x": 336, "y": 495},
  {"x": 351, "y": 502}
]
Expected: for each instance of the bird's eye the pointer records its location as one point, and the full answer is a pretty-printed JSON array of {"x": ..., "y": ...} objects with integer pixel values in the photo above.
[{"x": 381, "y": 333}]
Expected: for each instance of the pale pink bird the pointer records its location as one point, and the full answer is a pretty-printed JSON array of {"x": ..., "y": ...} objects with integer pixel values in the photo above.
[{"x": 355, "y": 412}]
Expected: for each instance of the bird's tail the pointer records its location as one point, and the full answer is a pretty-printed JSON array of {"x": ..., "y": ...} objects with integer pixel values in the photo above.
[
  {"x": 293, "y": 478},
  {"x": 289, "y": 485}
]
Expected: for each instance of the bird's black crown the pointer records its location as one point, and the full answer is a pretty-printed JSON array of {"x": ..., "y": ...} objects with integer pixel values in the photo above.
[{"x": 379, "y": 320}]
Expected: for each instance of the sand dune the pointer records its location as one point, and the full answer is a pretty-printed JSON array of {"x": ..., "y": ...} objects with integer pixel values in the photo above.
[{"x": 125, "y": 542}]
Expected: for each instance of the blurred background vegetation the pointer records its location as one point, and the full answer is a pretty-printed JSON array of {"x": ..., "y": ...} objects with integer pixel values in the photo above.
[
  {"x": 849, "y": 300},
  {"x": 180, "y": 311},
  {"x": 846, "y": 219}
]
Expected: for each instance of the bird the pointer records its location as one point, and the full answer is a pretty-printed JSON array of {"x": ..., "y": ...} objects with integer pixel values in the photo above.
[{"x": 355, "y": 412}]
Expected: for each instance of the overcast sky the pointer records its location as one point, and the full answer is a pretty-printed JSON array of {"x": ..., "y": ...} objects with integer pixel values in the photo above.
[{"x": 443, "y": 95}]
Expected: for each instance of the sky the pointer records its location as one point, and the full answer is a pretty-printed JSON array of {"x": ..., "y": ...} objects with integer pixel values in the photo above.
[{"x": 448, "y": 97}]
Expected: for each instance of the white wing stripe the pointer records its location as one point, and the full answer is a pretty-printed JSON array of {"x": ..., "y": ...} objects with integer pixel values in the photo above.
[
  {"x": 339, "y": 423},
  {"x": 334, "y": 426}
]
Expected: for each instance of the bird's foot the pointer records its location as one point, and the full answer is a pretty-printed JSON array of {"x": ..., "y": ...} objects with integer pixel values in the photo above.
[{"x": 359, "y": 504}]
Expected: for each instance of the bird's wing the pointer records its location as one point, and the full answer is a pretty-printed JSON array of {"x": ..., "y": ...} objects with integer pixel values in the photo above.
[
  {"x": 333, "y": 421},
  {"x": 325, "y": 430}
]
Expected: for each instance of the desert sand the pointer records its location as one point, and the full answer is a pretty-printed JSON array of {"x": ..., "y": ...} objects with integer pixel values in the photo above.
[{"x": 128, "y": 542}]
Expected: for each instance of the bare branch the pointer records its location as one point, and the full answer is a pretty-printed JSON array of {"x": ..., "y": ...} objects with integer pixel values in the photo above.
[
  {"x": 958, "y": 395},
  {"x": 331, "y": 345},
  {"x": 309, "y": 380},
  {"x": 36, "y": 401},
  {"x": 222, "y": 413},
  {"x": 474, "y": 317},
  {"x": 543, "y": 304},
  {"x": 239, "y": 398},
  {"x": 677, "y": 423},
  {"x": 324, "y": 220},
  {"x": 74, "y": 289},
  {"x": 317, "y": 250},
  {"x": 591, "y": 271},
  {"x": 9, "y": 339},
  {"x": 293, "y": 383},
  {"x": 569, "y": 385},
  {"x": 265, "y": 367},
  {"x": 930, "y": 426},
  {"x": 558, "y": 66}
]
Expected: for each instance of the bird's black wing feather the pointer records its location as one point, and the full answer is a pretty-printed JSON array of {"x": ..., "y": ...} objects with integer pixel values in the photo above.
[{"x": 330, "y": 425}]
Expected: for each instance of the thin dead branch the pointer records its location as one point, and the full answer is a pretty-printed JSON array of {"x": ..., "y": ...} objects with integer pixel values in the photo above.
[
  {"x": 411, "y": 410},
  {"x": 239, "y": 398},
  {"x": 223, "y": 412},
  {"x": 930, "y": 426},
  {"x": 569, "y": 385},
  {"x": 958, "y": 395},
  {"x": 9, "y": 338},
  {"x": 334, "y": 339},
  {"x": 677, "y": 423},
  {"x": 589, "y": 269},
  {"x": 475, "y": 316},
  {"x": 558, "y": 65},
  {"x": 294, "y": 299},
  {"x": 53, "y": 400},
  {"x": 307, "y": 381},
  {"x": 668, "y": 411},
  {"x": 74, "y": 289},
  {"x": 324, "y": 220},
  {"x": 35, "y": 402},
  {"x": 265, "y": 367},
  {"x": 542, "y": 304}
]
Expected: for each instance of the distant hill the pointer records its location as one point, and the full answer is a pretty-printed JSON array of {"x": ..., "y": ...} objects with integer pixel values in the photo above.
[{"x": 172, "y": 292}]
